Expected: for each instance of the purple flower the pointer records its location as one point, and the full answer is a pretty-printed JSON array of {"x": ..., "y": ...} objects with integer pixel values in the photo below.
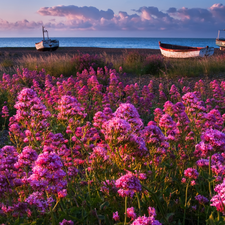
[
  {"x": 201, "y": 199},
  {"x": 128, "y": 184}
]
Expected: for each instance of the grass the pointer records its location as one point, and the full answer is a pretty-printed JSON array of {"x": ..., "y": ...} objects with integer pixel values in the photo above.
[
  {"x": 132, "y": 62},
  {"x": 196, "y": 67},
  {"x": 53, "y": 64}
]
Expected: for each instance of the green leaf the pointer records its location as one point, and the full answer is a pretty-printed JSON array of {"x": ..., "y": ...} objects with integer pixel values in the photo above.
[
  {"x": 104, "y": 205},
  {"x": 101, "y": 217},
  {"x": 211, "y": 220}
]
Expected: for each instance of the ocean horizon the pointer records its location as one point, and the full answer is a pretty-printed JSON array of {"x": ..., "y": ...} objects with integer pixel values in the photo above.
[{"x": 109, "y": 42}]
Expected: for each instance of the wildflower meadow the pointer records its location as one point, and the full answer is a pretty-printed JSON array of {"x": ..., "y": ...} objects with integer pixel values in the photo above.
[{"x": 91, "y": 149}]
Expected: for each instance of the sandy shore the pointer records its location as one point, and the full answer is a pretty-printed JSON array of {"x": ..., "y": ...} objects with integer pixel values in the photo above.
[{"x": 74, "y": 50}]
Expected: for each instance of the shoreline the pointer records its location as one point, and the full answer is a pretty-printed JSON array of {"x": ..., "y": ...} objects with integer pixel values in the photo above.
[
  {"x": 20, "y": 51},
  {"x": 75, "y": 50}
]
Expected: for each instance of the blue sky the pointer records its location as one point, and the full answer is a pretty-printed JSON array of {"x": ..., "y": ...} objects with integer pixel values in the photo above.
[{"x": 114, "y": 18}]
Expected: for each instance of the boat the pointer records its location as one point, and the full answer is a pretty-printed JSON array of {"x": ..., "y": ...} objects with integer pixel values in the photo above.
[
  {"x": 179, "y": 51},
  {"x": 220, "y": 41},
  {"x": 47, "y": 44}
]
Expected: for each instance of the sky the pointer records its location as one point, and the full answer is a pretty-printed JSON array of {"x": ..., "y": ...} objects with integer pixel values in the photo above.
[{"x": 112, "y": 18}]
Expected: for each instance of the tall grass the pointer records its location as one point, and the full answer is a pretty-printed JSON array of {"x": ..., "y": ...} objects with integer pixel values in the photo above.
[
  {"x": 131, "y": 62},
  {"x": 197, "y": 66},
  {"x": 53, "y": 64}
]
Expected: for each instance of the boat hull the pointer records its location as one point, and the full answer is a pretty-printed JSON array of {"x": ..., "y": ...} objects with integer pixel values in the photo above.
[
  {"x": 176, "y": 51},
  {"x": 220, "y": 43},
  {"x": 50, "y": 45}
]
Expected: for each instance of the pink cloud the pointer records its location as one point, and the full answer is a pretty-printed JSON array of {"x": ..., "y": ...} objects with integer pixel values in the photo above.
[
  {"x": 149, "y": 19},
  {"x": 218, "y": 11},
  {"x": 145, "y": 18},
  {"x": 23, "y": 24},
  {"x": 75, "y": 12}
]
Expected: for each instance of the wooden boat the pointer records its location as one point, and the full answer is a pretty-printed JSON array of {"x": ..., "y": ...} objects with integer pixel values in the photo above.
[
  {"x": 46, "y": 44},
  {"x": 179, "y": 51},
  {"x": 220, "y": 41}
]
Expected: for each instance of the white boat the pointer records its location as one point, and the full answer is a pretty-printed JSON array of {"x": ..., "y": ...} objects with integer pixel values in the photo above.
[
  {"x": 220, "y": 41},
  {"x": 46, "y": 44},
  {"x": 179, "y": 51}
]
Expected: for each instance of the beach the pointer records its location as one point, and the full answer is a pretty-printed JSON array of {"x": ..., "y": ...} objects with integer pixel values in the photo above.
[{"x": 18, "y": 52}]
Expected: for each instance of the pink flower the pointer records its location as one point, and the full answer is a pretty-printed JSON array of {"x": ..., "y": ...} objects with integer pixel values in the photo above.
[
  {"x": 183, "y": 180},
  {"x": 130, "y": 213},
  {"x": 116, "y": 129},
  {"x": 66, "y": 222},
  {"x": 218, "y": 200},
  {"x": 143, "y": 220},
  {"x": 5, "y": 111},
  {"x": 191, "y": 173},
  {"x": 151, "y": 212},
  {"x": 116, "y": 216}
]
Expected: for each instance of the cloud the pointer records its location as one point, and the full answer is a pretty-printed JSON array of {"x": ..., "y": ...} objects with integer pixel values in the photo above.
[
  {"x": 149, "y": 19},
  {"x": 218, "y": 11},
  {"x": 19, "y": 25},
  {"x": 148, "y": 13},
  {"x": 75, "y": 12}
]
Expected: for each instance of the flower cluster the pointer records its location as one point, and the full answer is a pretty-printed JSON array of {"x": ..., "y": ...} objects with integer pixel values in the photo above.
[{"x": 128, "y": 184}]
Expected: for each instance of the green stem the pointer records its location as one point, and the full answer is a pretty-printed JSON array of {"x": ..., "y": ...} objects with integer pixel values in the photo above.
[
  {"x": 185, "y": 205},
  {"x": 55, "y": 205},
  {"x": 161, "y": 209},
  {"x": 198, "y": 214},
  {"x": 139, "y": 203},
  {"x": 125, "y": 218},
  {"x": 210, "y": 175}
]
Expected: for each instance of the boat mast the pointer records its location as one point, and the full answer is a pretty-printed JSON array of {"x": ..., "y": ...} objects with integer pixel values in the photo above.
[
  {"x": 218, "y": 34},
  {"x": 43, "y": 31}
]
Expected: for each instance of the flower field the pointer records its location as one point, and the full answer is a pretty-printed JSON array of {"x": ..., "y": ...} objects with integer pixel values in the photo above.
[{"x": 90, "y": 149}]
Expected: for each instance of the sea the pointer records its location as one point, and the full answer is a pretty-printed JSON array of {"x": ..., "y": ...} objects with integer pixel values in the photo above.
[{"x": 108, "y": 42}]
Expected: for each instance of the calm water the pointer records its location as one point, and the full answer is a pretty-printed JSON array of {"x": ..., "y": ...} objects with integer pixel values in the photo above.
[{"x": 151, "y": 43}]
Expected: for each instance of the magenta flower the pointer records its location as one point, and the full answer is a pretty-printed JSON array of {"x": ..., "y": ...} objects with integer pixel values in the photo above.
[
  {"x": 66, "y": 222},
  {"x": 218, "y": 200},
  {"x": 214, "y": 138},
  {"x": 129, "y": 113},
  {"x": 116, "y": 216},
  {"x": 143, "y": 220},
  {"x": 99, "y": 152},
  {"x": 37, "y": 199},
  {"x": 131, "y": 213},
  {"x": 151, "y": 212},
  {"x": 108, "y": 186},
  {"x": 69, "y": 107},
  {"x": 5, "y": 111},
  {"x": 26, "y": 158},
  {"x": 191, "y": 173},
  {"x": 128, "y": 184},
  {"x": 116, "y": 129},
  {"x": 48, "y": 174}
]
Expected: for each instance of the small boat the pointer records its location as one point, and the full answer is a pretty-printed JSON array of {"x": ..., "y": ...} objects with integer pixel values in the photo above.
[
  {"x": 179, "y": 51},
  {"x": 46, "y": 44},
  {"x": 220, "y": 41}
]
